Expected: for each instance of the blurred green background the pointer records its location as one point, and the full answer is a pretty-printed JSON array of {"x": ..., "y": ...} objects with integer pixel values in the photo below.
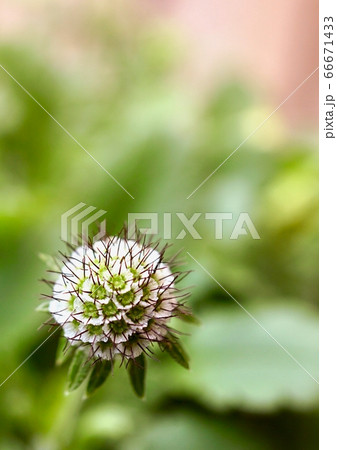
[{"x": 132, "y": 112}]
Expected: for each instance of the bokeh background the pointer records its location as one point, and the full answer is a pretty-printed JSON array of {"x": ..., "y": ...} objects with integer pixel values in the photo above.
[{"x": 160, "y": 93}]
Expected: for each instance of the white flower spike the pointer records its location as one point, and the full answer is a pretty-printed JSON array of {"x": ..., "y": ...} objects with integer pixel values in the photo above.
[{"x": 114, "y": 299}]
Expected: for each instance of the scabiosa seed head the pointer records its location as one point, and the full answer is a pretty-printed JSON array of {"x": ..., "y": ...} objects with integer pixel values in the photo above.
[{"x": 115, "y": 298}]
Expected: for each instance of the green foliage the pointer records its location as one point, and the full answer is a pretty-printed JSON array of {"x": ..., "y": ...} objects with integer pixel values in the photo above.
[
  {"x": 101, "y": 371},
  {"x": 63, "y": 351},
  {"x": 78, "y": 370},
  {"x": 176, "y": 351},
  {"x": 236, "y": 363},
  {"x": 188, "y": 317},
  {"x": 137, "y": 372},
  {"x": 187, "y": 430}
]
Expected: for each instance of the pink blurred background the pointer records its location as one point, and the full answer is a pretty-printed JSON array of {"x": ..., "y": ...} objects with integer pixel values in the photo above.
[{"x": 271, "y": 44}]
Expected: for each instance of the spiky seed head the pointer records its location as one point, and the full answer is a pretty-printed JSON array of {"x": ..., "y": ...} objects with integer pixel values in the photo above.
[{"x": 115, "y": 297}]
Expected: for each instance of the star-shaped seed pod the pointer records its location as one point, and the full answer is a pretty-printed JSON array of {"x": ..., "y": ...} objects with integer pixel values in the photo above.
[{"x": 114, "y": 300}]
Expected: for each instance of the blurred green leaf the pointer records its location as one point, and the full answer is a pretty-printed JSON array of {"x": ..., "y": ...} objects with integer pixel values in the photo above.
[
  {"x": 78, "y": 370},
  {"x": 101, "y": 371},
  {"x": 185, "y": 430},
  {"x": 176, "y": 351},
  {"x": 188, "y": 317},
  {"x": 64, "y": 351},
  {"x": 237, "y": 364},
  {"x": 137, "y": 371},
  {"x": 105, "y": 420}
]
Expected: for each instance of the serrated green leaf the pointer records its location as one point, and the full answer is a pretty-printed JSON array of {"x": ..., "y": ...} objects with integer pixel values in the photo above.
[
  {"x": 43, "y": 306},
  {"x": 176, "y": 351},
  {"x": 62, "y": 352},
  {"x": 49, "y": 261},
  {"x": 101, "y": 371},
  {"x": 137, "y": 370},
  {"x": 78, "y": 370}
]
